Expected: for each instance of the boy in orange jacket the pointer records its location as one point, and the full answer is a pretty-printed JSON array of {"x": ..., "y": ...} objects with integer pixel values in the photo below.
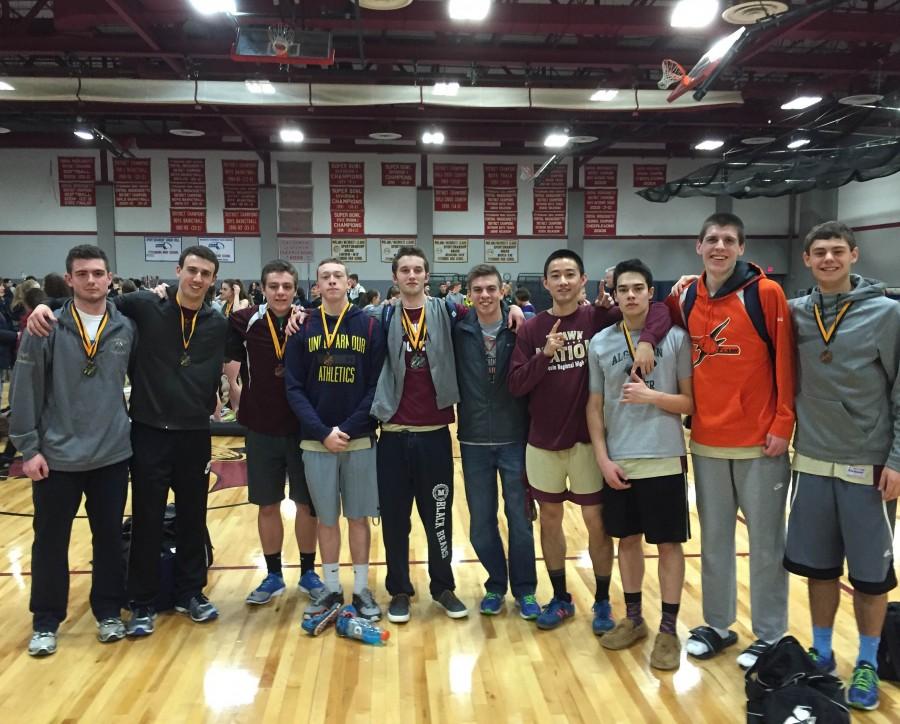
[{"x": 743, "y": 357}]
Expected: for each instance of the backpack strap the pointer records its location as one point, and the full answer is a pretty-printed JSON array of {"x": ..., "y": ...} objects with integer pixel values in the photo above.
[{"x": 387, "y": 314}]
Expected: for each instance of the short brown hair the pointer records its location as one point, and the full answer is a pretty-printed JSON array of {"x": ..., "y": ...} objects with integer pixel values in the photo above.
[
  {"x": 723, "y": 219},
  {"x": 408, "y": 251},
  {"x": 330, "y": 260},
  {"x": 204, "y": 252},
  {"x": 483, "y": 270},
  {"x": 279, "y": 266},
  {"x": 829, "y": 230}
]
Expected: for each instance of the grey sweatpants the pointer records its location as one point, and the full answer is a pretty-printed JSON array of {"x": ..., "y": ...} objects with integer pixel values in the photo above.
[{"x": 759, "y": 489}]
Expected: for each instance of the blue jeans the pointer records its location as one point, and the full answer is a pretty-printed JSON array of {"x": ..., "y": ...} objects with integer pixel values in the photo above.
[{"x": 480, "y": 464}]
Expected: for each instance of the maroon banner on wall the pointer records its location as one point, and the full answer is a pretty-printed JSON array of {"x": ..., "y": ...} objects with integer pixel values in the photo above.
[
  {"x": 240, "y": 172},
  {"x": 451, "y": 175},
  {"x": 347, "y": 191},
  {"x": 600, "y": 211},
  {"x": 500, "y": 175},
  {"x": 132, "y": 180},
  {"x": 346, "y": 173},
  {"x": 188, "y": 221},
  {"x": 241, "y": 221},
  {"x": 398, "y": 174},
  {"x": 647, "y": 175},
  {"x": 187, "y": 183},
  {"x": 601, "y": 175},
  {"x": 241, "y": 197},
  {"x": 451, "y": 199},
  {"x": 77, "y": 176},
  {"x": 548, "y": 212}
]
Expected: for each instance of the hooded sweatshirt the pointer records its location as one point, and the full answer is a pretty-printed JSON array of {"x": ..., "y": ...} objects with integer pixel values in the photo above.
[
  {"x": 848, "y": 410},
  {"x": 76, "y": 422},
  {"x": 741, "y": 394}
]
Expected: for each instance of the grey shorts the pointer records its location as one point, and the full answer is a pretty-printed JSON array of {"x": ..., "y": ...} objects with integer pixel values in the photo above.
[
  {"x": 348, "y": 480},
  {"x": 832, "y": 520},
  {"x": 269, "y": 460}
]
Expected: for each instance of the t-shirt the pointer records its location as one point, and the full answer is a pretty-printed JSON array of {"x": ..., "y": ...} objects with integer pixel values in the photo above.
[
  {"x": 418, "y": 403},
  {"x": 489, "y": 334},
  {"x": 639, "y": 431}
]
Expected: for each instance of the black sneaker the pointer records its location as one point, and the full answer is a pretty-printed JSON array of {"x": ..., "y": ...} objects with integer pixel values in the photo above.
[
  {"x": 199, "y": 608},
  {"x": 453, "y": 607},
  {"x": 398, "y": 610}
]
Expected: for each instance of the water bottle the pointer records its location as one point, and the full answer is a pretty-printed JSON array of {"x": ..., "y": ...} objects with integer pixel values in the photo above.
[{"x": 349, "y": 625}]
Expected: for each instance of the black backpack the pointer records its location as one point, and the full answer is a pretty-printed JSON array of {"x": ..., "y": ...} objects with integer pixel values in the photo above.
[
  {"x": 784, "y": 687},
  {"x": 889, "y": 646}
]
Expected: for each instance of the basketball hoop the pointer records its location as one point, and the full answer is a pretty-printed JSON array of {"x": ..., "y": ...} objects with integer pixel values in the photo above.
[
  {"x": 281, "y": 37},
  {"x": 672, "y": 73}
]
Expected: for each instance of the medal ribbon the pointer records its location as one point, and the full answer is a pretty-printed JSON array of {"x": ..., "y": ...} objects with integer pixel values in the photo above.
[
  {"x": 90, "y": 348},
  {"x": 330, "y": 337},
  {"x": 279, "y": 346},
  {"x": 416, "y": 337},
  {"x": 628, "y": 339},
  {"x": 228, "y": 309},
  {"x": 186, "y": 341},
  {"x": 827, "y": 334}
]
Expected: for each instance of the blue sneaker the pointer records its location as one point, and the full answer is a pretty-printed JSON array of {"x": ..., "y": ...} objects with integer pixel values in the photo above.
[
  {"x": 863, "y": 690},
  {"x": 331, "y": 609},
  {"x": 823, "y": 665},
  {"x": 491, "y": 604},
  {"x": 311, "y": 584},
  {"x": 272, "y": 585},
  {"x": 554, "y": 613},
  {"x": 529, "y": 608},
  {"x": 603, "y": 621}
]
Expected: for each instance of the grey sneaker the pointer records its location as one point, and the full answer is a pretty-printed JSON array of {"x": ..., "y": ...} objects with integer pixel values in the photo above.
[
  {"x": 43, "y": 643},
  {"x": 398, "y": 610},
  {"x": 320, "y": 600},
  {"x": 453, "y": 607},
  {"x": 199, "y": 608},
  {"x": 365, "y": 605},
  {"x": 110, "y": 629},
  {"x": 141, "y": 621}
]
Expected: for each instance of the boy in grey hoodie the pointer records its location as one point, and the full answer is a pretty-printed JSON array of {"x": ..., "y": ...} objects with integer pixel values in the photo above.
[
  {"x": 847, "y": 460},
  {"x": 62, "y": 382}
]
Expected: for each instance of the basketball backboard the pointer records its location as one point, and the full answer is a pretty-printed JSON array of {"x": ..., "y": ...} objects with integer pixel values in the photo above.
[
  {"x": 282, "y": 44},
  {"x": 707, "y": 64}
]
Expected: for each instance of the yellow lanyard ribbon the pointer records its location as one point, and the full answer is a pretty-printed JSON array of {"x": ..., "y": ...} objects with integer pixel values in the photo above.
[
  {"x": 331, "y": 336},
  {"x": 279, "y": 345},
  {"x": 186, "y": 341},
  {"x": 90, "y": 347},
  {"x": 827, "y": 334},
  {"x": 228, "y": 309},
  {"x": 628, "y": 339},
  {"x": 416, "y": 337}
]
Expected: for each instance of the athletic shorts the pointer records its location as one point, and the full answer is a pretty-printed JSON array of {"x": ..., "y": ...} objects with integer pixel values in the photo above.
[
  {"x": 347, "y": 480},
  {"x": 548, "y": 470},
  {"x": 656, "y": 507},
  {"x": 831, "y": 520},
  {"x": 269, "y": 460}
]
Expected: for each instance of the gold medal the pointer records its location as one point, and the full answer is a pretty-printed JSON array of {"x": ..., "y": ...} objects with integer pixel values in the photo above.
[
  {"x": 828, "y": 334},
  {"x": 416, "y": 338},
  {"x": 185, "y": 360},
  {"x": 278, "y": 343},
  {"x": 90, "y": 345}
]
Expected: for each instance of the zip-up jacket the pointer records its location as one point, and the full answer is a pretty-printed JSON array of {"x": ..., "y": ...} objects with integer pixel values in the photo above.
[
  {"x": 334, "y": 387},
  {"x": 741, "y": 393},
  {"x": 487, "y": 411},
  {"x": 76, "y": 422},
  {"x": 848, "y": 410}
]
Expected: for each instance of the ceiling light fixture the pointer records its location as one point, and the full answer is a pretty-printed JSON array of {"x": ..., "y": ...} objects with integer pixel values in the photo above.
[
  {"x": 469, "y": 9},
  {"x": 801, "y": 102},
  {"x": 4, "y": 129},
  {"x": 694, "y": 13},
  {"x": 709, "y": 144},
  {"x": 210, "y": 7},
  {"x": 757, "y": 140},
  {"x": 187, "y": 132},
  {"x": 799, "y": 142},
  {"x": 433, "y": 137},
  {"x": 4, "y": 86},
  {"x": 556, "y": 139},
  {"x": 446, "y": 88},
  {"x": 862, "y": 99},
  {"x": 291, "y": 135},
  {"x": 85, "y": 133},
  {"x": 260, "y": 87},
  {"x": 605, "y": 94},
  {"x": 384, "y": 136}
]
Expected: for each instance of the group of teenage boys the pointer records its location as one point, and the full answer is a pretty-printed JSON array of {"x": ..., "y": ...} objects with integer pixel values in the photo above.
[{"x": 584, "y": 402}]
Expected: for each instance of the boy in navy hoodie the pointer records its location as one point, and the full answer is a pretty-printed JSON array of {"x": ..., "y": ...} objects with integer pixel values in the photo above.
[{"x": 331, "y": 371}]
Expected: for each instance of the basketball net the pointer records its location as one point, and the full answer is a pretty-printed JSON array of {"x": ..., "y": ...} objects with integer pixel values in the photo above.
[
  {"x": 281, "y": 37},
  {"x": 672, "y": 73}
]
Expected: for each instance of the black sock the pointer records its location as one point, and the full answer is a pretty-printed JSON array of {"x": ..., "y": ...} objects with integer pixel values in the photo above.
[
  {"x": 273, "y": 562},
  {"x": 602, "y": 588},
  {"x": 633, "y": 607},
  {"x": 669, "y": 617},
  {"x": 307, "y": 562},
  {"x": 558, "y": 581}
]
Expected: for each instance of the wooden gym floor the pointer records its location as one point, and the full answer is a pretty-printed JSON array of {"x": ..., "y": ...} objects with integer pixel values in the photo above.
[{"x": 255, "y": 664}]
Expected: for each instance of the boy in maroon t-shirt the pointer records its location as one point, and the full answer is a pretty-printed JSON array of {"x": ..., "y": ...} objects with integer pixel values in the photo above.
[{"x": 549, "y": 365}]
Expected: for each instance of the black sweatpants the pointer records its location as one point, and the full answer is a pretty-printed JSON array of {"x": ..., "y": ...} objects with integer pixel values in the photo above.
[
  {"x": 416, "y": 466},
  {"x": 163, "y": 459},
  {"x": 56, "y": 500}
]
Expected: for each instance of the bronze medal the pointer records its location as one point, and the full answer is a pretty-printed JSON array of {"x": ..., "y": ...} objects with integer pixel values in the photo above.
[
  {"x": 828, "y": 334},
  {"x": 279, "y": 370},
  {"x": 185, "y": 360},
  {"x": 826, "y": 356}
]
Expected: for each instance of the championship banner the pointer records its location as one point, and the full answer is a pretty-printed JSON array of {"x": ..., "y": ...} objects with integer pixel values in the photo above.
[
  {"x": 600, "y": 211},
  {"x": 451, "y": 251},
  {"x": 132, "y": 182},
  {"x": 187, "y": 183},
  {"x": 601, "y": 175},
  {"x": 648, "y": 175},
  {"x": 500, "y": 176},
  {"x": 349, "y": 250},
  {"x": 240, "y": 182},
  {"x": 347, "y": 189},
  {"x": 77, "y": 177},
  {"x": 501, "y": 251},
  {"x": 548, "y": 213},
  {"x": 451, "y": 186},
  {"x": 188, "y": 221},
  {"x": 241, "y": 221},
  {"x": 398, "y": 174}
]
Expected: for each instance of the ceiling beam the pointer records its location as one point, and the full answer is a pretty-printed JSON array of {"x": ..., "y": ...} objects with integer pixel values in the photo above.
[{"x": 128, "y": 11}]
